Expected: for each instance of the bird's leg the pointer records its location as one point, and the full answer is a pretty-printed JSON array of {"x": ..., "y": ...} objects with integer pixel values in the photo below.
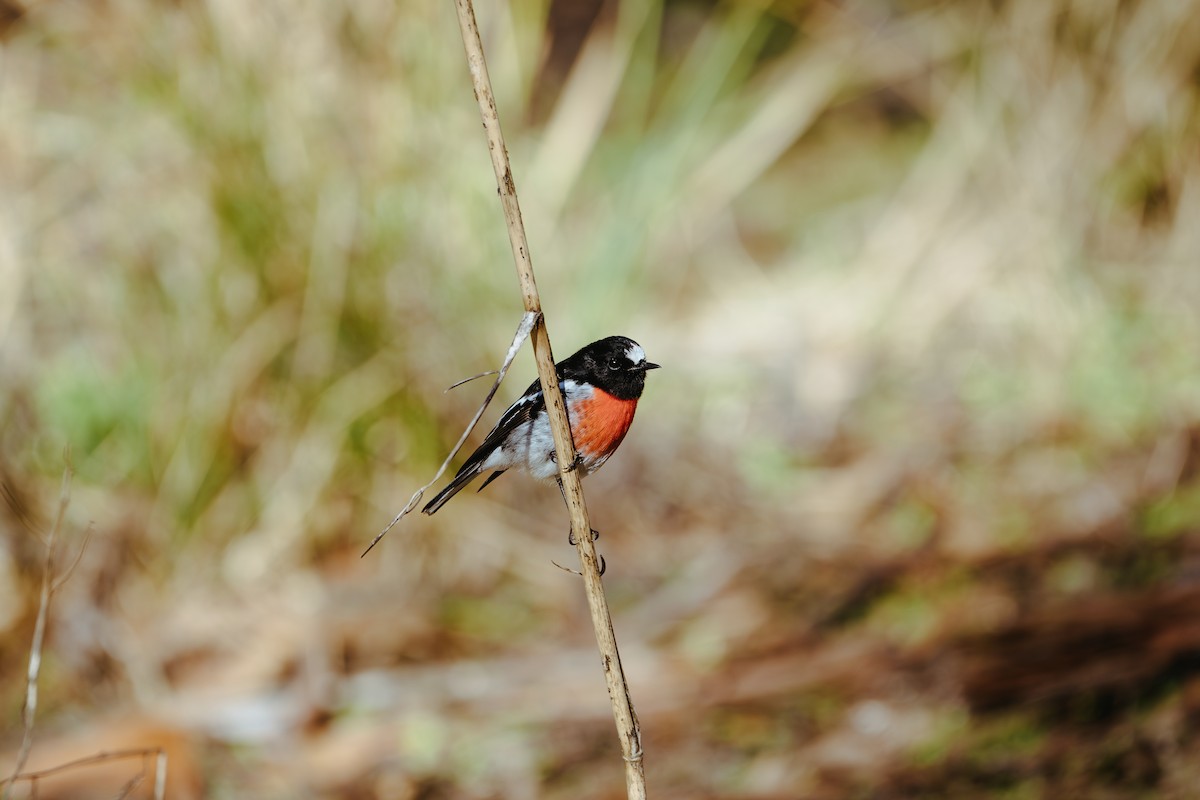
[{"x": 570, "y": 533}]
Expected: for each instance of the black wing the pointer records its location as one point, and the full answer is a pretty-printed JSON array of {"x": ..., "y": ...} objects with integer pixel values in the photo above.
[{"x": 529, "y": 406}]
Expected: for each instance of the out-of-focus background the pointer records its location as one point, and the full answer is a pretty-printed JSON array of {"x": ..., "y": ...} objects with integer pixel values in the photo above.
[{"x": 913, "y": 510}]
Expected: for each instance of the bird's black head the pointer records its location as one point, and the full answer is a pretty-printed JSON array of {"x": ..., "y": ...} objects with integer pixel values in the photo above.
[{"x": 617, "y": 365}]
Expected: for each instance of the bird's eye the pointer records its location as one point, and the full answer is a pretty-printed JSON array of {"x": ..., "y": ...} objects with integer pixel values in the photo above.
[{"x": 614, "y": 363}]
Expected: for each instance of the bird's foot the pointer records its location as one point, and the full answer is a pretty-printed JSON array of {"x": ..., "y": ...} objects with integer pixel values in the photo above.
[
  {"x": 571, "y": 536},
  {"x": 575, "y": 464}
]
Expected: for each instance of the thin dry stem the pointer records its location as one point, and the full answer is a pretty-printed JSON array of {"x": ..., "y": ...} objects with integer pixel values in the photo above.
[
  {"x": 29, "y": 713},
  {"x": 618, "y": 691},
  {"x": 51, "y": 585},
  {"x": 523, "y": 329},
  {"x": 160, "y": 768},
  {"x": 160, "y": 774}
]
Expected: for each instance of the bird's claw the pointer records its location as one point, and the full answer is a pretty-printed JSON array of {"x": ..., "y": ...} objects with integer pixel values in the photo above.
[
  {"x": 571, "y": 536},
  {"x": 575, "y": 464}
]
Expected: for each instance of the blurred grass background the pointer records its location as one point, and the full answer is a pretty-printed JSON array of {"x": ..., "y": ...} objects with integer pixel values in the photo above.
[{"x": 914, "y": 510}]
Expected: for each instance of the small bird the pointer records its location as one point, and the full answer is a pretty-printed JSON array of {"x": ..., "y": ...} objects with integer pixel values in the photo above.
[{"x": 601, "y": 385}]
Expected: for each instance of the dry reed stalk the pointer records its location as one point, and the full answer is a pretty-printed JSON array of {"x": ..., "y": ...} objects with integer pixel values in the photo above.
[
  {"x": 618, "y": 691},
  {"x": 29, "y": 712},
  {"x": 50, "y": 585}
]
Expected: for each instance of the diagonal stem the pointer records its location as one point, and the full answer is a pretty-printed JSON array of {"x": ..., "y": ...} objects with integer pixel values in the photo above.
[
  {"x": 519, "y": 338},
  {"x": 39, "y": 632},
  {"x": 618, "y": 691}
]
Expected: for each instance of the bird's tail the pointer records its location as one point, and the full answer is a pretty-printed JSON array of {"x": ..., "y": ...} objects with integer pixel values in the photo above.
[{"x": 455, "y": 486}]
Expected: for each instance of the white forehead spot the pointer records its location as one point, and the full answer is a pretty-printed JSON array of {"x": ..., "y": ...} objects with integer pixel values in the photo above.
[{"x": 635, "y": 354}]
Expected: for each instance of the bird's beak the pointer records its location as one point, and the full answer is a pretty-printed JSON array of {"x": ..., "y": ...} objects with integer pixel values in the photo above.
[{"x": 648, "y": 366}]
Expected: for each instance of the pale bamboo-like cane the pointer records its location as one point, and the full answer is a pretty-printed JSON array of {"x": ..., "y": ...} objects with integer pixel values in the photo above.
[{"x": 618, "y": 691}]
